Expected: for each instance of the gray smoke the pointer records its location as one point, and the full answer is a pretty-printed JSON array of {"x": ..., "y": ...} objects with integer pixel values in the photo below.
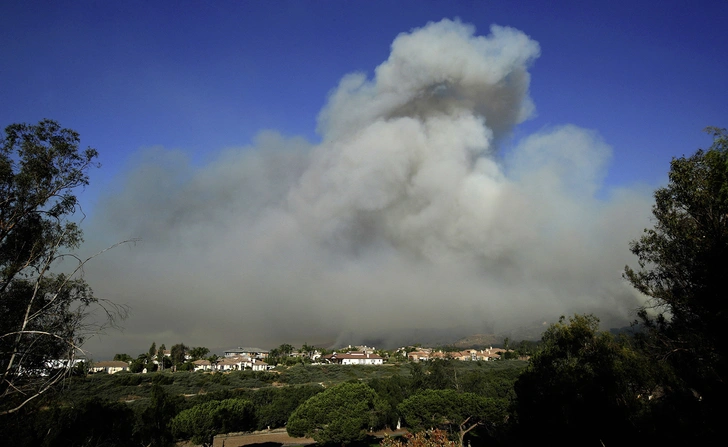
[{"x": 401, "y": 219}]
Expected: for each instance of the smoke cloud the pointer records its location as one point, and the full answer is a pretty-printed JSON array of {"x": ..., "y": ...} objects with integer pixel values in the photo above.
[{"x": 406, "y": 219}]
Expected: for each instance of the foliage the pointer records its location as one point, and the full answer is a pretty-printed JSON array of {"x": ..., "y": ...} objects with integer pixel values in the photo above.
[
  {"x": 333, "y": 374},
  {"x": 202, "y": 422},
  {"x": 274, "y": 406},
  {"x": 340, "y": 415},
  {"x": 198, "y": 353},
  {"x": 681, "y": 270},
  {"x": 153, "y": 426},
  {"x": 43, "y": 315},
  {"x": 186, "y": 366},
  {"x": 177, "y": 353},
  {"x": 581, "y": 372},
  {"x": 429, "y": 438},
  {"x": 138, "y": 365},
  {"x": 498, "y": 384},
  {"x": 123, "y": 358},
  {"x": 280, "y": 354},
  {"x": 88, "y": 422},
  {"x": 461, "y": 411},
  {"x": 160, "y": 357},
  {"x": 526, "y": 348},
  {"x": 393, "y": 390}
]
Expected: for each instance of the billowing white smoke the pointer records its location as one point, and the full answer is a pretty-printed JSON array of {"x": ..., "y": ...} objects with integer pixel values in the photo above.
[{"x": 400, "y": 219}]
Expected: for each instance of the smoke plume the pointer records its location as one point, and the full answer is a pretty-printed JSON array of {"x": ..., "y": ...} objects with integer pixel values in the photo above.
[{"x": 405, "y": 219}]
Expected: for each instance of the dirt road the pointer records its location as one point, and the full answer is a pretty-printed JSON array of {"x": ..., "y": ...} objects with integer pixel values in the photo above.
[{"x": 277, "y": 436}]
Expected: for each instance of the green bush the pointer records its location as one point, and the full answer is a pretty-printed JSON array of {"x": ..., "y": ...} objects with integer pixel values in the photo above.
[{"x": 202, "y": 422}]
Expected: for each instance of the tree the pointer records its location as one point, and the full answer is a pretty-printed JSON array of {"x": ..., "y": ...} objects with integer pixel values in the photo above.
[
  {"x": 681, "y": 270},
  {"x": 43, "y": 314},
  {"x": 123, "y": 358},
  {"x": 308, "y": 350},
  {"x": 214, "y": 359},
  {"x": 584, "y": 384},
  {"x": 154, "y": 421},
  {"x": 202, "y": 422},
  {"x": 178, "y": 353},
  {"x": 463, "y": 411},
  {"x": 275, "y": 405},
  {"x": 198, "y": 353},
  {"x": 88, "y": 422},
  {"x": 161, "y": 356},
  {"x": 138, "y": 365},
  {"x": 340, "y": 415}
]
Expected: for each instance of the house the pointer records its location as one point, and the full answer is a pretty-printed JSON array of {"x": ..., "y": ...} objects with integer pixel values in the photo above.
[
  {"x": 483, "y": 354},
  {"x": 110, "y": 367},
  {"x": 258, "y": 365},
  {"x": 418, "y": 356},
  {"x": 203, "y": 365},
  {"x": 232, "y": 363},
  {"x": 255, "y": 353},
  {"x": 353, "y": 358}
]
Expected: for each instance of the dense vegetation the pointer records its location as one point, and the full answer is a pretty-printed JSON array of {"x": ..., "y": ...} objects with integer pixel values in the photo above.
[{"x": 158, "y": 408}]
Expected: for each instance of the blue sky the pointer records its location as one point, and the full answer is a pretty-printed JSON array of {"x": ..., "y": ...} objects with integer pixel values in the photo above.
[
  {"x": 201, "y": 76},
  {"x": 174, "y": 95}
]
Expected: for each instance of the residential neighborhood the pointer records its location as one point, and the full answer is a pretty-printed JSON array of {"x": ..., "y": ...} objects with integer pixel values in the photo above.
[
  {"x": 466, "y": 355},
  {"x": 258, "y": 359}
]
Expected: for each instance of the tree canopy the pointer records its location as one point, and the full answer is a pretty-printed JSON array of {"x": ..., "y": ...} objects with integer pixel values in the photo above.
[
  {"x": 681, "y": 270},
  {"x": 462, "y": 411},
  {"x": 579, "y": 373},
  {"x": 43, "y": 314},
  {"x": 340, "y": 415},
  {"x": 202, "y": 422}
]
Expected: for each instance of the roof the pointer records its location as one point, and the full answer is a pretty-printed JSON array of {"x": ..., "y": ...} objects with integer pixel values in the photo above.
[
  {"x": 246, "y": 349},
  {"x": 352, "y": 355}
]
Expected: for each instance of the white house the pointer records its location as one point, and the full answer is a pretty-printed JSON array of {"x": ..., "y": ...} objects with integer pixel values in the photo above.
[
  {"x": 354, "y": 358},
  {"x": 111, "y": 367},
  {"x": 258, "y": 365},
  {"x": 255, "y": 353},
  {"x": 202, "y": 365}
]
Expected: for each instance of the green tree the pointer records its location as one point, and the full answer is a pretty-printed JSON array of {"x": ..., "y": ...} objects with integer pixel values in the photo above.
[
  {"x": 43, "y": 313},
  {"x": 198, "y": 353},
  {"x": 161, "y": 357},
  {"x": 393, "y": 390},
  {"x": 123, "y": 358},
  {"x": 280, "y": 354},
  {"x": 178, "y": 353},
  {"x": 339, "y": 415},
  {"x": 308, "y": 350},
  {"x": 461, "y": 411},
  {"x": 275, "y": 405},
  {"x": 214, "y": 359},
  {"x": 138, "y": 365},
  {"x": 89, "y": 422},
  {"x": 153, "y": 427},
  {"x": 681, "y": 270},
  {"x": 202, "y": 422},
  {"x": 579, "y": 373}
]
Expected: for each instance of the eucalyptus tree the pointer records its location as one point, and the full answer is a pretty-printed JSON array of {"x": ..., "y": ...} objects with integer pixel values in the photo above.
[{"x": 45, "y": 305}]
